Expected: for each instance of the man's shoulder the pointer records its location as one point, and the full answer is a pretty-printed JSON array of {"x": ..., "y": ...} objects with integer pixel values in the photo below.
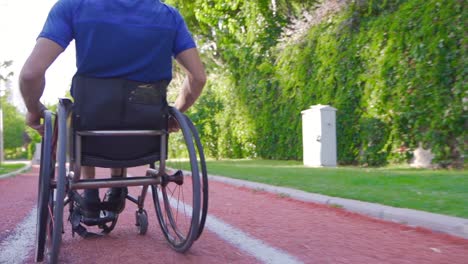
[
  {"x": 169, "y": 6},
  {"x": 172, "y": 10},
  {"x": 67, "y": 4}
]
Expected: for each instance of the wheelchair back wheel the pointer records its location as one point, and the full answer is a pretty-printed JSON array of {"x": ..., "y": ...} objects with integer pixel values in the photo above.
[
  {"x": 45, "y": 194},
  {"x": 203, "y": 175},
  {"x": 58, "y": 199},
  {"x": 177, "y": 198}
]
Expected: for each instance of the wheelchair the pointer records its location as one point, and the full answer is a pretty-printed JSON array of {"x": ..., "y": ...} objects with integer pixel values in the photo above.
[{"x": 117, "y": 123}]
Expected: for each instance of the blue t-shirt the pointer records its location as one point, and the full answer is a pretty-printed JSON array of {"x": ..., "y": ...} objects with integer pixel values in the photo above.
[{"x": 129, "y": 39}]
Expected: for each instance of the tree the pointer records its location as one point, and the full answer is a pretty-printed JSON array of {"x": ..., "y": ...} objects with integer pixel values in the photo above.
[
  {"x": 5, "y": 75},
  {"x": 14, "y": 125},
  {"x": 394, "y": 69}
]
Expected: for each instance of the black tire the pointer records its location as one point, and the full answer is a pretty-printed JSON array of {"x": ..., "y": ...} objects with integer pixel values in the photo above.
[
  {"x": 141, "y": 222},
  {"x": 53, "y": 248},
  {"x": 178, "y": 219},
  {"x": 46, "y": 173},
  {"x": 204, "y": 176}
]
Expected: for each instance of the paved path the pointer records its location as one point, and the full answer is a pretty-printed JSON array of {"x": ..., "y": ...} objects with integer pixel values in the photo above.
[
  {"x": 244, "y": 226},
  {"x": 436, "y": 222}
]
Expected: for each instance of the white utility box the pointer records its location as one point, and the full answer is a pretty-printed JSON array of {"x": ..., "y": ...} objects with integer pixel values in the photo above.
[{"x": 319, "y": 136}]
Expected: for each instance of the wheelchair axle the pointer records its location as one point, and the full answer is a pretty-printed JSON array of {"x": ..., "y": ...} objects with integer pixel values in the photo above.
[{"x": 177, "y": 178}]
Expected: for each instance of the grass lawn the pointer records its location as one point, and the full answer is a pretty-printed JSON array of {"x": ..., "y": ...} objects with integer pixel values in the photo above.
[
  {"x": 6, "y": 168},
  {"x": 437, "y": 191}
]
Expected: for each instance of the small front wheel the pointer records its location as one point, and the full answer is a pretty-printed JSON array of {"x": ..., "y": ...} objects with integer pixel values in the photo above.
[{"x": 141, "y": 221}]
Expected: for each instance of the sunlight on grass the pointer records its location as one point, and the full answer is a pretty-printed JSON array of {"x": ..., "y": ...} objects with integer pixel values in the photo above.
[
  {"x": 7, "y": 168},
  {"x": 438, "y": 191}
]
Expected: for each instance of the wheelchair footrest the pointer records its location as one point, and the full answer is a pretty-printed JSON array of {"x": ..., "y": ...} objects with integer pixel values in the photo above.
[
  {"x": 109, "y": 217},
  {"x": 76, "y": 219}
]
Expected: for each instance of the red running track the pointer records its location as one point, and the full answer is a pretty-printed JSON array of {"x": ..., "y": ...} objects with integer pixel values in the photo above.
[{"x": 306, "y": 232}]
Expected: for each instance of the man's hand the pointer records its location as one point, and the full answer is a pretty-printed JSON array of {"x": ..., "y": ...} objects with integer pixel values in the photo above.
[
  {"x": 173, "y": 126},
  {"x": 33, "y": 119}
]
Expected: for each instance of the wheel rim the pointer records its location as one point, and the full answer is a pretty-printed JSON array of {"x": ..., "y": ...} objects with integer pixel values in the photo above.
[
  {"x": 174, "y": 206},
  {"x": 177, "y": 199},
  {"x": 56, "y": 207},
  {"x": 44, "y": 188},
  {"x": 204, "y": 176}
]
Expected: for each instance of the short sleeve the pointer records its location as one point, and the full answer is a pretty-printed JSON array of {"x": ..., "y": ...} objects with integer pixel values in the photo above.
[
  {"x": 183, "y": 39},
  {"x": 59, "y": 24}
]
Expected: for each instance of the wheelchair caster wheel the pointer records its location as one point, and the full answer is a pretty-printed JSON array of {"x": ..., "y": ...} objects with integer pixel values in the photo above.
[{"x": 141, "y": 221}]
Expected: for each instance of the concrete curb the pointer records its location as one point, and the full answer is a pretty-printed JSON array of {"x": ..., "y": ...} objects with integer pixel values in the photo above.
[
  {"x": 16, "y": 172},
  {"x": 436, "y": 222}
]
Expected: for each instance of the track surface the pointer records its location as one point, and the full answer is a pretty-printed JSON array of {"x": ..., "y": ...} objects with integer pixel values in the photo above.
[{"x": 244, "y": 226}]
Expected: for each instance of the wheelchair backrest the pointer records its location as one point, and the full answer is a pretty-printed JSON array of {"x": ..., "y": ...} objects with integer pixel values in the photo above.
[{"x": 119, "y": 104}]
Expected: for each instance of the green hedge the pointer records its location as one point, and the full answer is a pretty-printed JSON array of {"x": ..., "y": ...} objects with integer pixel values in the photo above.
[{"x": 395, "y": 70}]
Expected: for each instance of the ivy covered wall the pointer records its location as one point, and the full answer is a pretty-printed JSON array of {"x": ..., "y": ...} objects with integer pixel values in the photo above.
[{"x": 395, "y": 70}]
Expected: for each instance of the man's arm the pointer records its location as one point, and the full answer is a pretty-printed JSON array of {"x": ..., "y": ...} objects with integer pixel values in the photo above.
[
  {"x": 32, "y": 78},
  {"x": 193, "y": 84}
]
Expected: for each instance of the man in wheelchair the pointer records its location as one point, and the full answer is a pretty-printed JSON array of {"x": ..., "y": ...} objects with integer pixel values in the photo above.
[{"x": 130, "y": 41}]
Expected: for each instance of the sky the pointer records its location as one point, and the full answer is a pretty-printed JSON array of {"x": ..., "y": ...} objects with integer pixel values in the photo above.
[{"x": 20, "y": 23}]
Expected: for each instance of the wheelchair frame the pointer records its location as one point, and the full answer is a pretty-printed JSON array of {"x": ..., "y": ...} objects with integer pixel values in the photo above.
[{"x": 56, "y": 187}]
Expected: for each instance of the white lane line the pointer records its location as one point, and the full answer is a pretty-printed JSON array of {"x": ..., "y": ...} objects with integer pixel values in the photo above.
[
  {"x": 15, "y": 248},
  {"x": 245, "y": 242}
]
